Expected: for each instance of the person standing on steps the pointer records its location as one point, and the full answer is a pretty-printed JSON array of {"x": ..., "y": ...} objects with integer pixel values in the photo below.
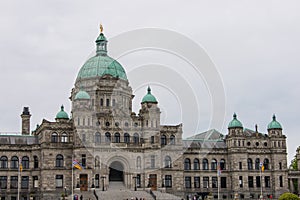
[{"x": 81, "y": 197}]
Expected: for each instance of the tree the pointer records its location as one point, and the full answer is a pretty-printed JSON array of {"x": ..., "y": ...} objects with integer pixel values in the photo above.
[
  {"x": 294, "y": 164},
  {"x": 288, "y": 196}
]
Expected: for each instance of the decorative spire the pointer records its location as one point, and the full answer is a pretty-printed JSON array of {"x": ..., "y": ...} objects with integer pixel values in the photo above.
[
  {"x": 101, "y": 28},
  {"x": 62, "y": 108},
  {"x": 256, "y": 128},
  {"x": 274, "y": 117},
  {"x": 234, "y": 116},
  {"x": 149, "y": 90}
]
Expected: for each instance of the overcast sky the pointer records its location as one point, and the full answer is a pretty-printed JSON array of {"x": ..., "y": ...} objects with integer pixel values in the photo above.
[{"x": 253, "y": 44}]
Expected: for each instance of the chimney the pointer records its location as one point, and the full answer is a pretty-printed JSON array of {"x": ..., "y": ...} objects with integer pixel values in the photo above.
[{"x": 26, "y": 121}]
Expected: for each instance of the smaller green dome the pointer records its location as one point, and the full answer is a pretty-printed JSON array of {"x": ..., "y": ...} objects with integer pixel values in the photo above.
[
  {"x": 82, "y": 95},
  {"x": 149, "y": 98},
  {"x": 101, "y": 37},
  {"x": 235, "y": 123},
  {"x": 62, "y": 114},
  {"x": 274, "y": 124}
]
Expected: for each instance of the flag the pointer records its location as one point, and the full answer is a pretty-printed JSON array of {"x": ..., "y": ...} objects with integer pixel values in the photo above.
[
  {"x": 260, "y": 165},
  {"x": 76, "y": 165},
  {"x": 219, "y": 170},
  {"x": 21, "y": 167},
  {"x": 262, "y": 168}
]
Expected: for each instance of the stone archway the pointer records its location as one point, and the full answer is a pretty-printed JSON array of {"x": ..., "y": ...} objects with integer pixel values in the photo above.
[{"x": 116, "y": 171}]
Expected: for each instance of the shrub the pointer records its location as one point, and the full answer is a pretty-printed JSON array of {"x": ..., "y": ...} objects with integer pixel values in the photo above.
[{"x": 288, "y": 196}]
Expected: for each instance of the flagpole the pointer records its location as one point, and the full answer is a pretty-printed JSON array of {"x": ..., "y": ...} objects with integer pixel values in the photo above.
[
  {"x": 261, "y": 183},
  {"x": 72, "y": 178},
  {"x": 218, "y": 176},
  {"x": 19, "y": 180}
]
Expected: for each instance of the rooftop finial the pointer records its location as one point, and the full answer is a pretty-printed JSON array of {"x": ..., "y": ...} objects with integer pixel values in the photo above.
[
  {"x": 149, "y": 90},
  {"x": 101, "y": 28},
  {"x": 274, "y": 117}
]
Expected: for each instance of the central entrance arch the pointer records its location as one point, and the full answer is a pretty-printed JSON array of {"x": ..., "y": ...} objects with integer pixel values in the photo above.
[{"x": 116, "y": 171}]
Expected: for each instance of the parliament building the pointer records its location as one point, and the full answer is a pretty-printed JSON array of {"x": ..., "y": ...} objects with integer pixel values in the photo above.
[{"x": 114, "y": 144}]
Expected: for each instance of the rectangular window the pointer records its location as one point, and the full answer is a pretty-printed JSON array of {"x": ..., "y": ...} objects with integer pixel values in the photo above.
[
  {"x": 14, "y": 182},
  {"x": 25, "y": 182},
  {"x": 138, "y": 180},
  {"x": 168, "y": 181},
  {"x": 240, "y": 165},
  {"x": 187, "y": 182},
  {"x": 250, "y": 182},
  {"x": 280, "y": 181},
  {"x": 35, "y": 181},
  {"x": 152, "y": 161},
  {"x": 267, "y": 182},
  {"x": 3, "y": 182},
  {"x": 214, "y": 182},
  {"x": 241, "y": 181},
  {"x": 205, "y": 182},
  {"x": 59, "y": 181},
  {"x": 152, "y": 140},
  {"x": 83, "y": 160},
  {"x": 223, "y": 182},
  {"x": 196, "y": 182},
  {"x": 107, "y": 102},
  {"x": 258, "y": 181}
]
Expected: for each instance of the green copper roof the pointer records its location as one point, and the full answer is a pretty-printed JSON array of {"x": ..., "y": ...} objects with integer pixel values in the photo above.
[
  {"x": 101, "y": 64},
  {"x": 82, "y": 95},
  {"x": 149, "y": 98},
  {"x": 62, "y": 114},
  {"x": 235, "y": 123},
  {"x": 274, "y": 124}
]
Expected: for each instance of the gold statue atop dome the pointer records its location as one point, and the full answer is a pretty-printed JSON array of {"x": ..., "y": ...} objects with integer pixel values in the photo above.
[{"x": 101, "y": 28}]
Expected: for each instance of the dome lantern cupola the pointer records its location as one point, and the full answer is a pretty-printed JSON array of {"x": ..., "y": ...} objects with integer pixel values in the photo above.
[
  {"x": 235, "y": 123},
  {"x": 149, "y": 98},
  {"x": 62, "y": 114},
  {"x": 101, "y": 42},
  {"x": 274, "y": 124}
]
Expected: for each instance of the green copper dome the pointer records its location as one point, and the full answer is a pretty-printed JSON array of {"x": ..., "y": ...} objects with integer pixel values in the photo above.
[
  {"x": 82, "y": 95},
  {"x": 149, "y": 98},
  {"x": 101, "y": 64},
  {"x": 235, "y": 123},
  {"x": 274, "y": 124},
  {"x": 62, "y": 114}
]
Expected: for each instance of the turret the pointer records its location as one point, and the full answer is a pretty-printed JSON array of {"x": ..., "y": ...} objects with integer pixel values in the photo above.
[
  {"x": 274, "y": 127},
  {"x": 25, "y": 121},
  {"x": 235, "y": 127}
]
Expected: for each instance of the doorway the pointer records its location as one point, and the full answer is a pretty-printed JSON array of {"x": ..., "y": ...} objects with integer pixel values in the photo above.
[
  {"x": 116, "y": 171},
  {"x": 83, "y": 182}
]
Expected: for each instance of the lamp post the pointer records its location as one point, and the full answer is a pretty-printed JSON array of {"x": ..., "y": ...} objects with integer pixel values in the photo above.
[
  {"x": 103, "y": 177},
  {"x": 65, "y": 191},
  {"x": 134, "y": 178}
]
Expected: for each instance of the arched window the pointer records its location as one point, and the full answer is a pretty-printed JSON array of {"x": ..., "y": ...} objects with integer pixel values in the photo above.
[
  {"x": 59, "y": 161},
  {"x": 196, "y": 164},
  {"x": 101, "y": 102},
  {"x": 14, "y": 164},
  {"x": 117, "y": 138},
  {"x": 214, "y": 164},
  {"x": 222, "y": 164},
  {"x": 187, "y": 164},
  {"x": 25, "y": 162},
  {"x": 35, "y": 162},
  {"x": 54, "y": 137},
  {"x": 168, "y": 162},
  {"x": 126, "y": 138},
  {"x": 107, "y": 137},
  {"x": 266, "y": 164},
  {"x": 172, "y": 139},
  {"x": 97, "y": 162},
  {"x": 257, "y": 163},
  {"x": 64, "y": 137},
  {"x": 205, "y": 164},
  {"x": 138, "y": 162},
  {"x": 3, "y": 162},
  {"x": 97, "y": 138},
  {"x": 136, "y": 138},
  {"x": 250, "y": 164},
  {"x": 163, "y": 140}
]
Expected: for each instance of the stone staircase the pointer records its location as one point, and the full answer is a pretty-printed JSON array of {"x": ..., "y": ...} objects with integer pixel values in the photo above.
[
  {"x": 117, "y": 191},
  {"x": 165, "y": 196}
]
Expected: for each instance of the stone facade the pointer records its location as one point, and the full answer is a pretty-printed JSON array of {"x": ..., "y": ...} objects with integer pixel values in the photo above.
[{"x": 112, "y": 143}]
